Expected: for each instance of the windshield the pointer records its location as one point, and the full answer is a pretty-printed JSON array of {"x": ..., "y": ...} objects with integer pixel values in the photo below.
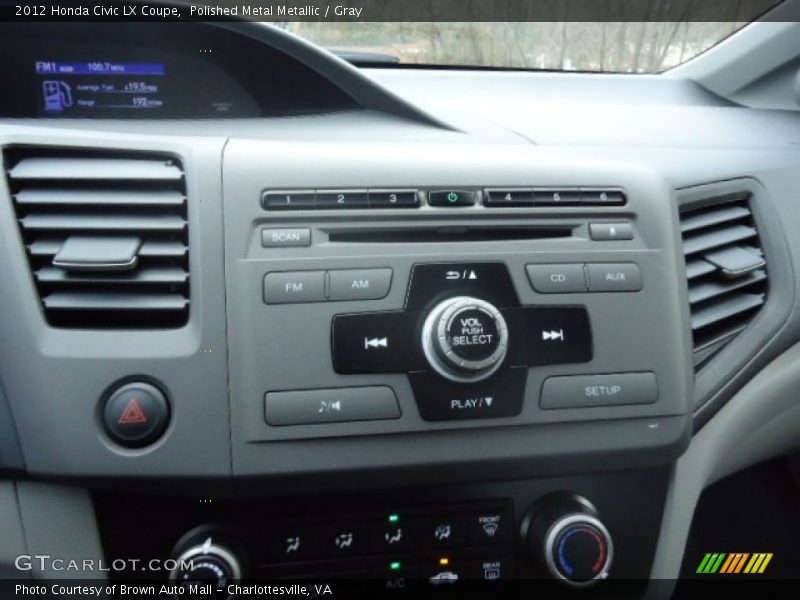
[{"x": 622, "y": 47}]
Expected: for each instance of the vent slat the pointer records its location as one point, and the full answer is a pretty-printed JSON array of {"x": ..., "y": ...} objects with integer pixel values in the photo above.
[
  {"x": 725, "y": 309},
  {"x": 725, "y": 269},
  {"x": 94, "y": 169},
  {"x": 711, "y": 289},
  {"x": 698, "y": 268},
  {"x": 151, "y": 248},
  {"x": 111, "y": 222},
  {"x": 165, "y": 275},
  {"x": 714, "y": 217},
  {"x": 87, "y": 301},
  {"x": 106, "y": 236},
  {"x": 716, "y": 238},
  {"x": 26, "y": 197}
]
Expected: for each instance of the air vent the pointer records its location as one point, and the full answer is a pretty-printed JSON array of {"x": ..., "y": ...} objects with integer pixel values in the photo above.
[
  {"x": 726, "y": 270},
  {"x": 106, "y": 236}
]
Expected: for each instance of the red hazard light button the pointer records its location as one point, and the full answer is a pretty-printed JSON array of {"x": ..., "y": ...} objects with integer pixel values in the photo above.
[{"x": 136, "y": 414}]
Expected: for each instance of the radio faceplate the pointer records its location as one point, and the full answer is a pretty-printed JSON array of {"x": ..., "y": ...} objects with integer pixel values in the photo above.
[{"x": 352, "y": 324}]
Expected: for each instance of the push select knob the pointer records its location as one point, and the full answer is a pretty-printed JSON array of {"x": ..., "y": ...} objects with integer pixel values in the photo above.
[{"x": 465, "y": 339}]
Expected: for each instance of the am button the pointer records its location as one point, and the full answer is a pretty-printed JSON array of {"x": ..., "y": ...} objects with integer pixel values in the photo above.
[{"x": 360, "y": 284}]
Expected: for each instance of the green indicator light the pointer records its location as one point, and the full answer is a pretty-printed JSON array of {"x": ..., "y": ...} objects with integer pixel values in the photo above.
[
  {"x": 452, "y": 197},
  {"x": 395, "y": 566},
  {"x": 394, "y": 518}
]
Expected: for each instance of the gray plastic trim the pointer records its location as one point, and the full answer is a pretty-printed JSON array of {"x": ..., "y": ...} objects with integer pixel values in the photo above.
[
  {"x": 723, "y": 375},
  {"x": 59, "y": 522},
  {"x": 351, "y": 80},
  {"x": 12, "y": 538}
]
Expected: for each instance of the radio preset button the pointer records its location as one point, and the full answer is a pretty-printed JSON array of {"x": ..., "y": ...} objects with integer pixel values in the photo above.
[
  {"x": 555, "y": 197},
  {"x": 342, "y": 199},
  {"x": 557, "y": 279},
  {"x": 361, "y": 284},
  {"x": 289, "y": 200},
  {"x": 296, "y": 286},
  {"x": 600, "y": 197},
  {"x": 508, "y": 197},
  {"x": 393, "y": 199}
]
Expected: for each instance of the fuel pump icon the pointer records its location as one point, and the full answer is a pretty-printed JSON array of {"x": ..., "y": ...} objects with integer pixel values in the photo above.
[{"x": 57, "y": 95}]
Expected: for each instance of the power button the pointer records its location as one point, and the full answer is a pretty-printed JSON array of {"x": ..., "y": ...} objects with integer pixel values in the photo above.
[{"x": 452, "y": 197}]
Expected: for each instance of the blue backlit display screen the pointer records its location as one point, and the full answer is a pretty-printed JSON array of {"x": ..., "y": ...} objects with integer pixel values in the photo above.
[
  {"x": 154, "y": 71},
  {"x": 77, "y": 87}
]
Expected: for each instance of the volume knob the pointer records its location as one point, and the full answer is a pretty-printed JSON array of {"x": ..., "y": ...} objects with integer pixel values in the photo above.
[{"x": 465, "y": 339}]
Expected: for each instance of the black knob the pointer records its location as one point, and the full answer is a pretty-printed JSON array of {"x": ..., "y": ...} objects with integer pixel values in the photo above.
[
  {"x": 465, "y": 339},
  {"x": 208, "y": 561},
  {"x": 564, "y": 533}
]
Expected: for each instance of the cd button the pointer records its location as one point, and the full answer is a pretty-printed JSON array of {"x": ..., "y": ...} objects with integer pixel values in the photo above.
[{"x": 557, "y": 279}]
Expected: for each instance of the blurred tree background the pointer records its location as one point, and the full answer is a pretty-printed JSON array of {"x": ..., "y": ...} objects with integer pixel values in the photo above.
[{"x": 640, "y": 42}]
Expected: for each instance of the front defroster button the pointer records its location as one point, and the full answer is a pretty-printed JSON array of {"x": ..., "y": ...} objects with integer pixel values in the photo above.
[{"x": 490, "y": 526}]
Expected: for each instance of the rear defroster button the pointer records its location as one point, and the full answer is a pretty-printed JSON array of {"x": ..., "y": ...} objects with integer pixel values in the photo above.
[{"x": 136, "y": 414}]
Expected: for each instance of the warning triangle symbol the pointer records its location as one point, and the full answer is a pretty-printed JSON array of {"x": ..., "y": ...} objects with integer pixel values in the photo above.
[{"x": 132, "y": 414}]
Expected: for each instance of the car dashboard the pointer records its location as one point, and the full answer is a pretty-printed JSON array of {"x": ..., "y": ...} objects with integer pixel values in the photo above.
[{"x": 311, "y": 321}]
